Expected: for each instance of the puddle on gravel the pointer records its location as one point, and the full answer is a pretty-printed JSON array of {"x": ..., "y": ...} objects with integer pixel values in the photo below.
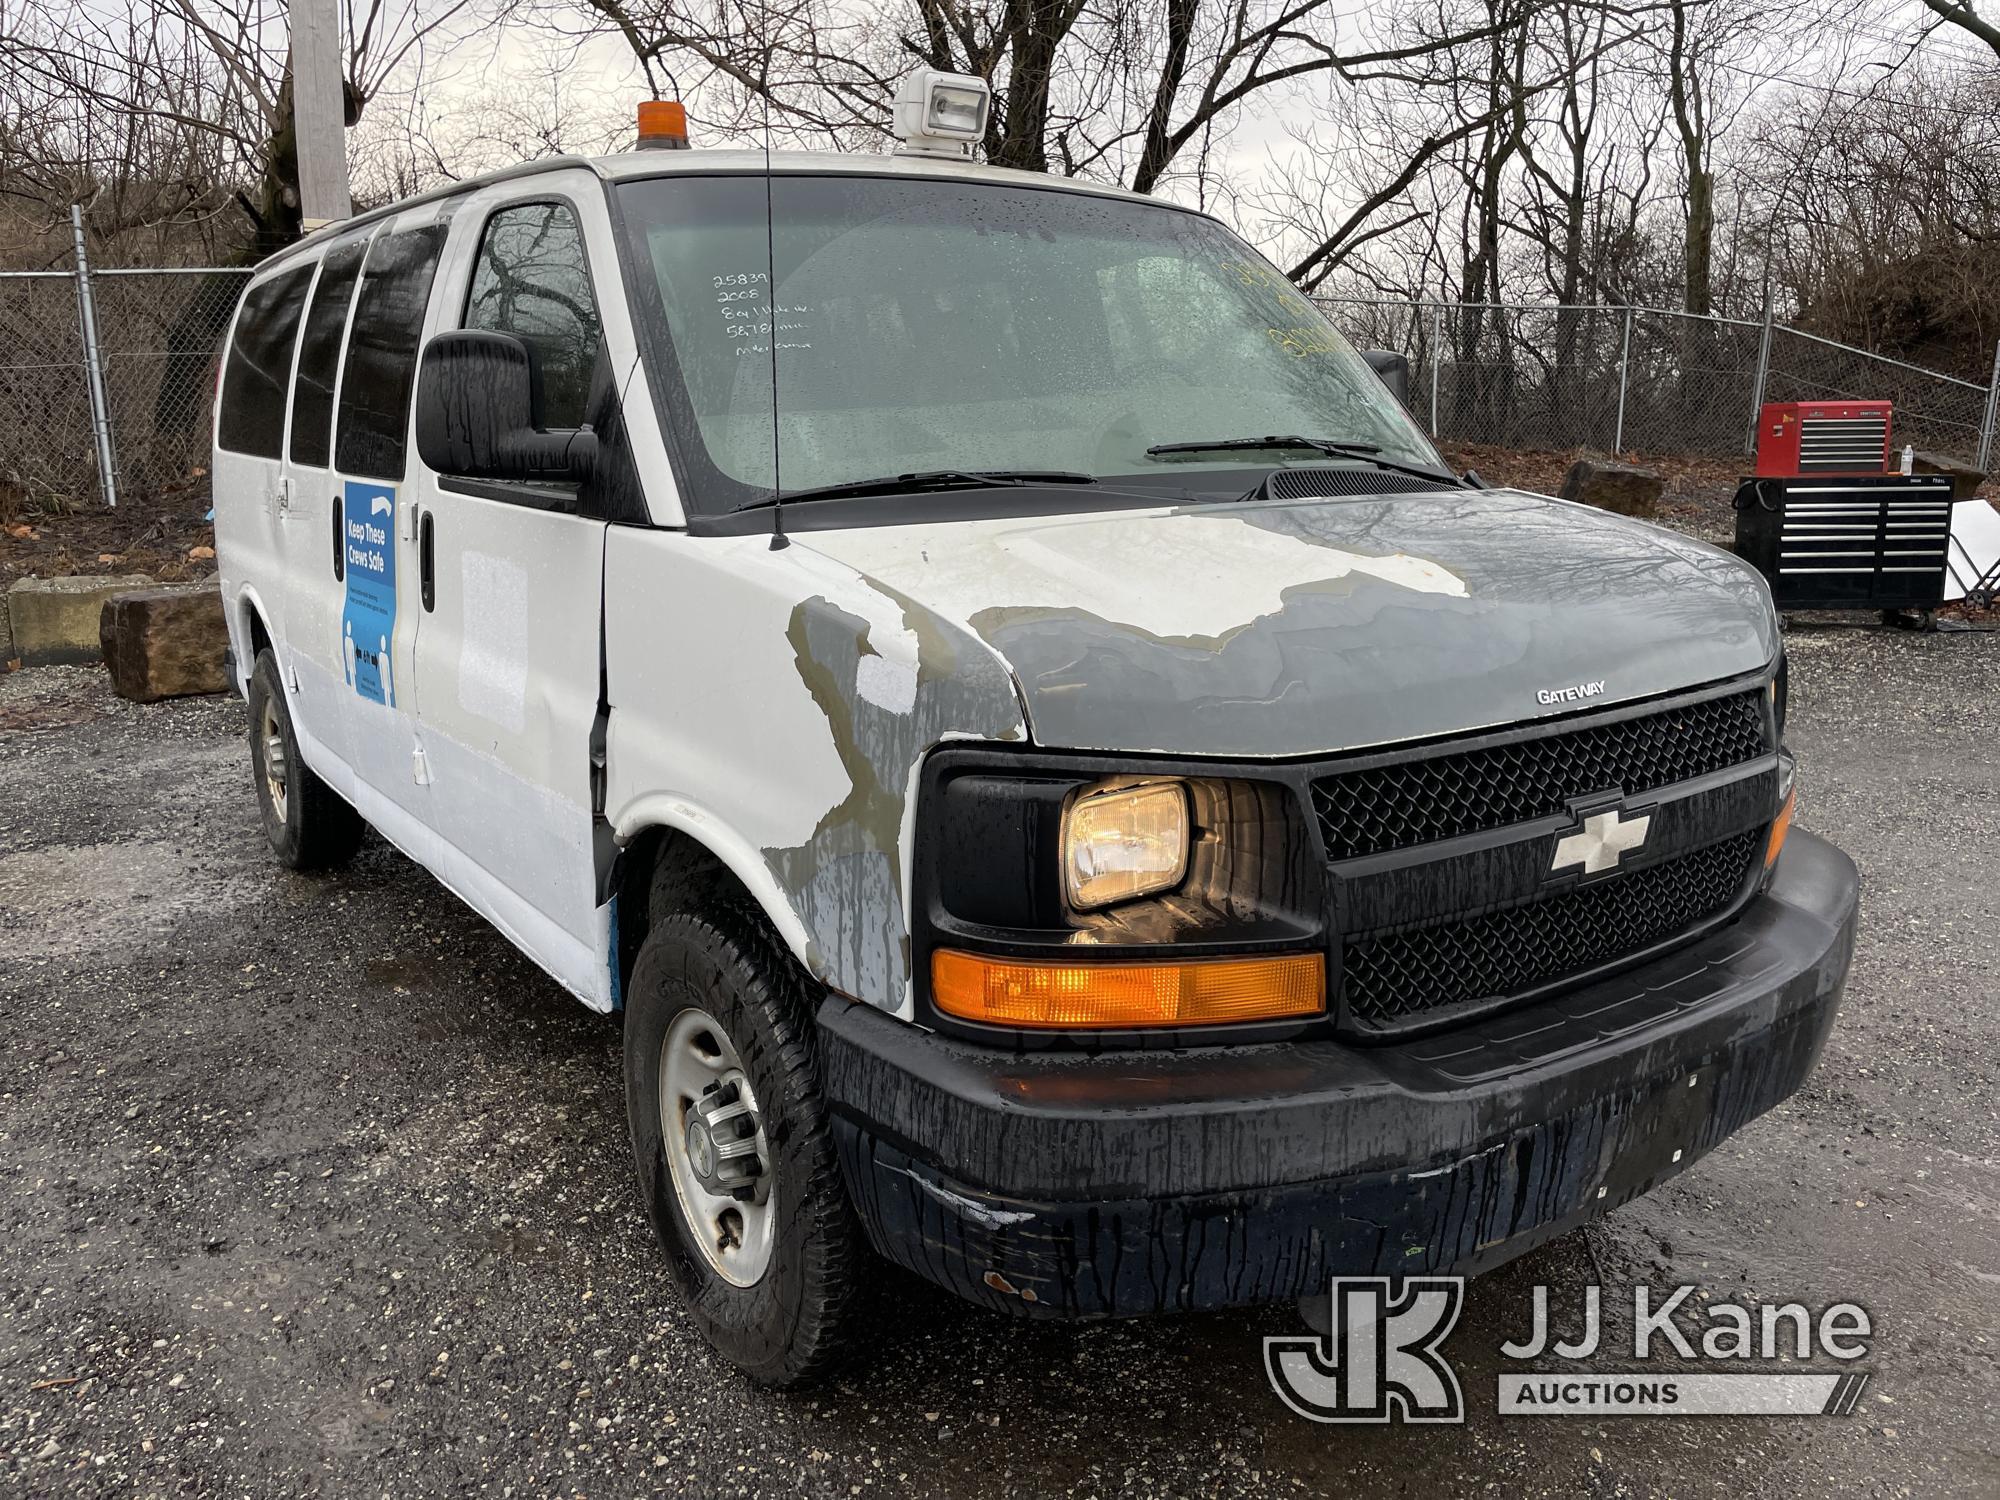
[{"x": 67, "y": 899}]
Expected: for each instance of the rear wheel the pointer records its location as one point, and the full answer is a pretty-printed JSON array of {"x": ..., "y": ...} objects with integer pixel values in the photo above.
[
  {"x": 307, "y": 823},
  {"x": 734, "y": 1151}
]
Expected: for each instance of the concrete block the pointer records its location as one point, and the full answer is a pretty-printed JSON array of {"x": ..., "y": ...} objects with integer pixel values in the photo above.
[
  {"x": 1610, "y": 485},
  {"x": 55, "y": 619},
  {"x": 165, "y": 642}
]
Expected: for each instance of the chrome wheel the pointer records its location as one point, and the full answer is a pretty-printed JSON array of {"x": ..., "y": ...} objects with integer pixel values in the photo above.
[
  {"x": 271, "y": 736},
  {"x": 716, "y": 1150}
]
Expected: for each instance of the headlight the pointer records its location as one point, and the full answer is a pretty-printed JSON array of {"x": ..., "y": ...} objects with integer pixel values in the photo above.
[{"x": 1121, "y": 844}]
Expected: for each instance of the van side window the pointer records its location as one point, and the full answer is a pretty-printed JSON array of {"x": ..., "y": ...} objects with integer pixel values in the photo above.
[
  {"x": 381, "y": 367},
  {"x": 259, "y": 369},
  {"x": 532, "y": 279},
  {"x": 319, "y": 356}
]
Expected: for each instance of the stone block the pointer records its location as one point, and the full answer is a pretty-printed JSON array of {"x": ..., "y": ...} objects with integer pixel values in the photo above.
[
  {"x": 1608, "y": 484},
  {"x": 165, "y": 642}
]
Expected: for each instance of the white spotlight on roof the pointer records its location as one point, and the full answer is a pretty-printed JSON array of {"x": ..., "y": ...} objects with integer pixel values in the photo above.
[{"x": 940, "y": 114}]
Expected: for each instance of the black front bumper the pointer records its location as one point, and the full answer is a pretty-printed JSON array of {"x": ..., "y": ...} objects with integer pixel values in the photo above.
[{"x": 1125, "y": 1183}]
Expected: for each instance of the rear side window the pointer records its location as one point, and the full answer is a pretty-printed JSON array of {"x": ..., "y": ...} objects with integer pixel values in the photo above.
[
  {"x": 532, "y": 279},
  {"x": 381, "y": 367},
  {"x": 259, "y": 370},
  {"x": 319, "y": 356}
]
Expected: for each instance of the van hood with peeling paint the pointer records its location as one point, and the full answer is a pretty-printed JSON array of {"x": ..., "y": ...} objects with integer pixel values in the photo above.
[{"x": 1292, "y": 628}]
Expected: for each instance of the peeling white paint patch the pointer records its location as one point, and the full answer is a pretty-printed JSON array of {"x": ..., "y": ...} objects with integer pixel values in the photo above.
[
  {"x": 889, "y": 634},
  {"x": 727, "y": 723},
  {"x": 1170, "y": 574},
  {"x": 887, "y": 683},
  {"x": 493, "y": 656},
  {"x": 906, "y": 860}
]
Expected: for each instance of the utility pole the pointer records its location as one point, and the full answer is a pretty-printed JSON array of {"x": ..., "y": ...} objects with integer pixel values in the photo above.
[{"x": 319, "y": 112}]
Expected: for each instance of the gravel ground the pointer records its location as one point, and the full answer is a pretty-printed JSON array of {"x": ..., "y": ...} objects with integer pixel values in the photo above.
[{"x": 314, "y": 1186}]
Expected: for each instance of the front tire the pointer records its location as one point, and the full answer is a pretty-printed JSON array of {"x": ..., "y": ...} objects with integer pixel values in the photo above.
[
  {"x": 734, "y": 1150},
  {"x": 307, "y": 823}
]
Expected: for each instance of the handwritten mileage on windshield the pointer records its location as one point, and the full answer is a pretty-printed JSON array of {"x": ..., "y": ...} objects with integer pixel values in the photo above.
[
  {"x": 1277, "y": 298},
  {"x": 1303, "y": 339},
  {"x": 750, "y": 319}
]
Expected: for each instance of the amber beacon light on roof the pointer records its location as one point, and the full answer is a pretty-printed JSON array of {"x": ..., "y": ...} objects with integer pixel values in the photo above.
[{"x": 663, "y": 125}]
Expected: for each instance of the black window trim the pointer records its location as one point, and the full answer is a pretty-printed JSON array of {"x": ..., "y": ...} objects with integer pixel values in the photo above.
[
  {"x": 562, "y": 200},
  {"x": 291, "y": 363},
  {"x": 445, "y": 209},
  {"x": 363, "y": 240},
  {"x": 523, "y": 494},
  {"x": 539, "y": 497},
  {"x": 562, "y": 499}
]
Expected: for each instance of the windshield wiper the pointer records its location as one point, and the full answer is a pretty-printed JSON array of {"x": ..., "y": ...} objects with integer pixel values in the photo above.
[
  {"x": 1367, "y": 452},
  {"x": 930, "y": 481}
]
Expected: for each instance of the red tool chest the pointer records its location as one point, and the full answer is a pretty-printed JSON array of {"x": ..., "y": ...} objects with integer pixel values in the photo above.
[{"x": 1822, "y": 437}]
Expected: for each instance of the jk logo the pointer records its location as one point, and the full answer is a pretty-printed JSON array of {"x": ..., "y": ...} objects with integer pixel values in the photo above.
[{"x": 1380, "y": 1361}]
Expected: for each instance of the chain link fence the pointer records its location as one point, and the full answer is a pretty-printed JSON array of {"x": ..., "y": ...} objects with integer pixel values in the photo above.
[
  {"x": 158, "y": 331},
  {"x": 46, "y": 458},
  {"x": 1534, "y": 377},
  {"x": 1642, "y": 379}
]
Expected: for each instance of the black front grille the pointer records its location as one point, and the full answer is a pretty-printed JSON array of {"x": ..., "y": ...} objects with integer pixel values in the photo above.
[
  {"x": 1410, "y": 975},
  {"x": 1447, "y": 795},
  {"x": 1313, "y": 483}
]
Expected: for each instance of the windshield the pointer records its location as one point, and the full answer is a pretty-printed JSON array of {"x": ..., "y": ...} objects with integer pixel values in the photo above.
[{"x": 922, "y": 324}]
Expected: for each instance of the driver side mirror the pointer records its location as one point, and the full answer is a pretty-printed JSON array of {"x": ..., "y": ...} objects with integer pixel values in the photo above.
[
  {"x": 479, "y": 414},
  {"x": 1393, "y": 370}
]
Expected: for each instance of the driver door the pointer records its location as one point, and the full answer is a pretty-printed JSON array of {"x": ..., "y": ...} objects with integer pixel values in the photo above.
[{"x": 510, "y": 594}]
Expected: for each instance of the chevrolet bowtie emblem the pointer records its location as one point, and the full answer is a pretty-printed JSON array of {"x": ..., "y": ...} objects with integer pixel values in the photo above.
[{"x": 1603, "y": 840}]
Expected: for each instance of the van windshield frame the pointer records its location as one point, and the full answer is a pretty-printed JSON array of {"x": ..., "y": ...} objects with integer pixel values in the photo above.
[{"x": 927, "y": 323}]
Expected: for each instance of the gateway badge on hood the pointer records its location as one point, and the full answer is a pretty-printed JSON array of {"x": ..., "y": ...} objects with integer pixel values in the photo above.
[{"x": 1571, "y": 694}]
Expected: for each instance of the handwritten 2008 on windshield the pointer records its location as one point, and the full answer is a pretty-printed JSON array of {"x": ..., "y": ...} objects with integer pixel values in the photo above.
[{"x": 748, "y": 314}]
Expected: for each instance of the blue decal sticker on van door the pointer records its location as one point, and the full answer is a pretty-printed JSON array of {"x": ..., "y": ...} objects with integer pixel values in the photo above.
[{"x": 368, "y": 622}]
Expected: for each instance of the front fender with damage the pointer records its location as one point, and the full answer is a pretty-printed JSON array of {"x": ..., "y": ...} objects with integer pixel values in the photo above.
[{"x": 787, "y": 703}]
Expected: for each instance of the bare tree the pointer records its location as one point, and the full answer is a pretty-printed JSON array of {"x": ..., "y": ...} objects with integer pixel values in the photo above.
[
  {"x": 1711, "y": 56},
  {"x": 1424, "y": 161},
  {"x": 159, "y": 110},
  {"x": 1112, "y": 90},
  {"x": 1960, "y": 13},
  {"x": 1892, "y": 238}
]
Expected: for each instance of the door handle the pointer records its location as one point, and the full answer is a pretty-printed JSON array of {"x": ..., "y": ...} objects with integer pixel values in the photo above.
[
  {"x": 339, "y": 541},
  {"x": 427, "y": 561}
]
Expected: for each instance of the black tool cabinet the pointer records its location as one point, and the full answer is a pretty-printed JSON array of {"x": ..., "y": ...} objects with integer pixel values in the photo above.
[{"x": 1867, "y": 542}]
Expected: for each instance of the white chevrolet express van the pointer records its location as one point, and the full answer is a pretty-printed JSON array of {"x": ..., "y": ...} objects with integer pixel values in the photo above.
[{"x": 1130, "y": 831}]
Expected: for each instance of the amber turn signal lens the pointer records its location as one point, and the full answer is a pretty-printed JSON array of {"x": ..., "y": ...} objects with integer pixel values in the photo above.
[
  {"x": 1780, "y": 826},
  {"x": 1208, "y": 992}
]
